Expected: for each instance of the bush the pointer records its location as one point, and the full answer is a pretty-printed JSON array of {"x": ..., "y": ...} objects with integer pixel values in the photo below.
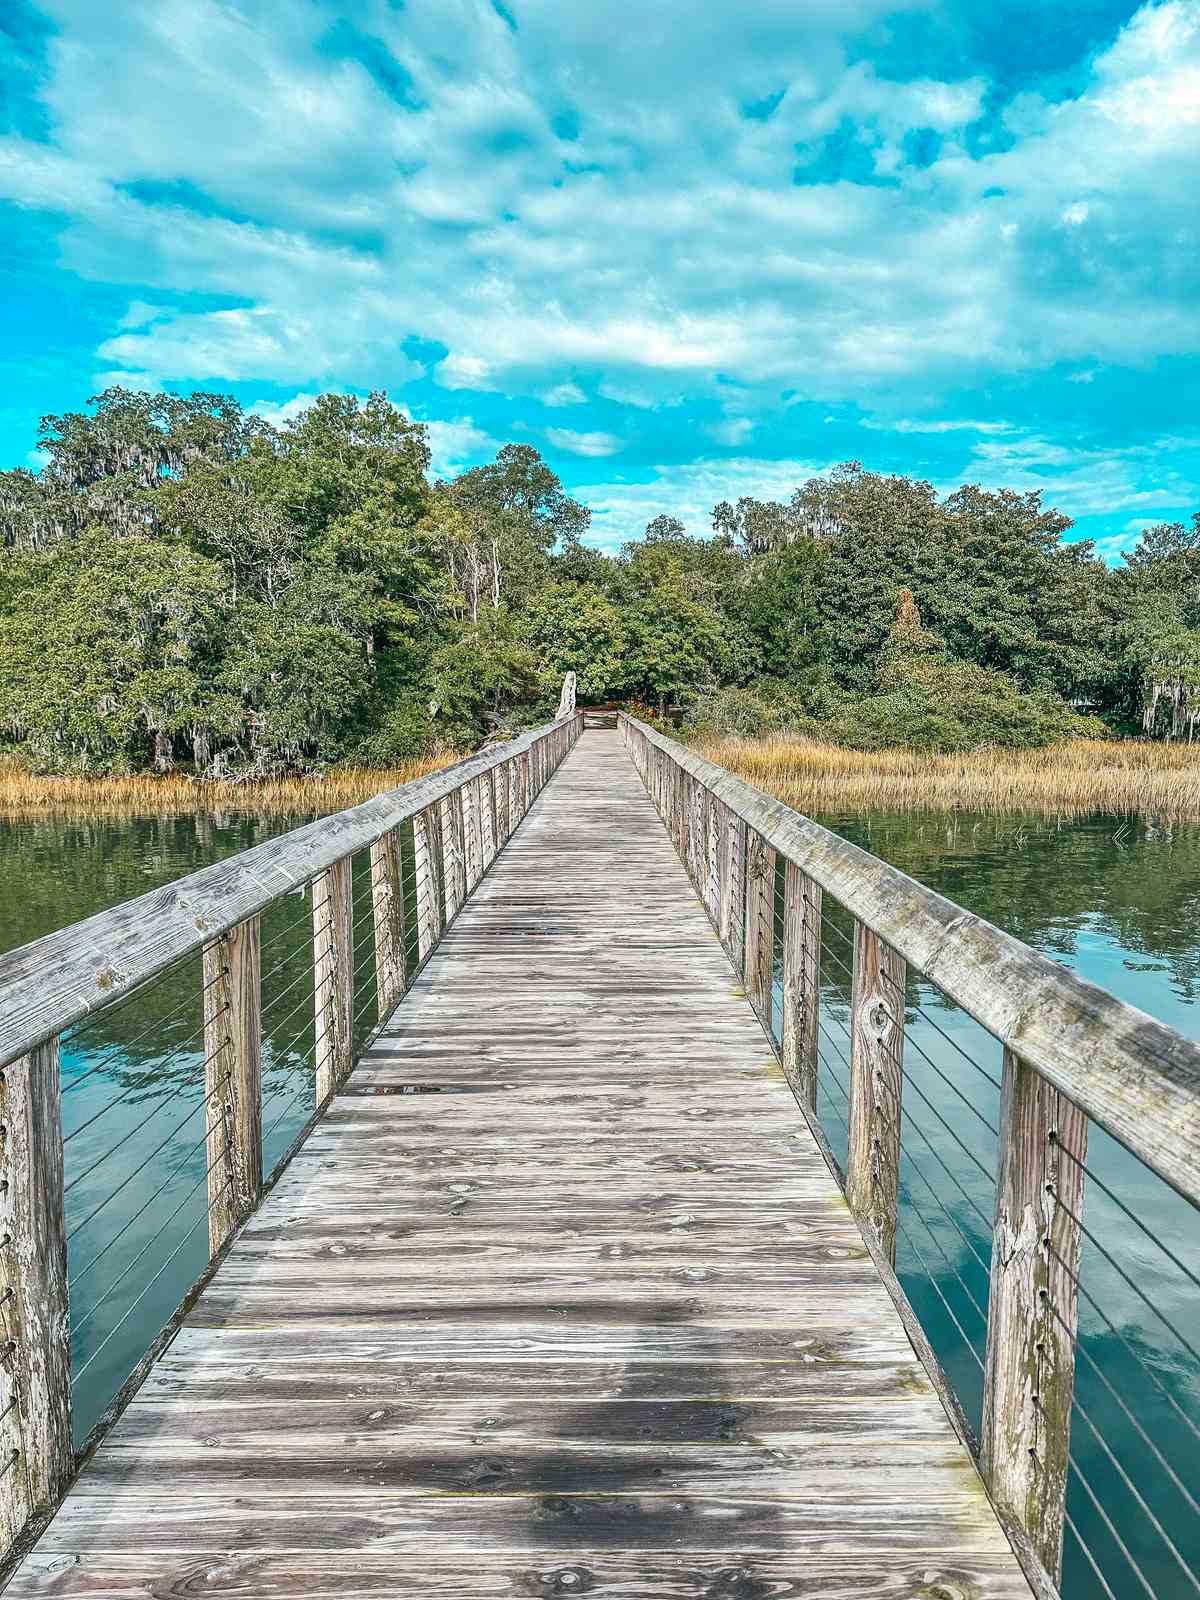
[
  {"x": 750, "y": 712},
  {"x": 955, "y": 705},
  {"x": 402, "y": 731}
]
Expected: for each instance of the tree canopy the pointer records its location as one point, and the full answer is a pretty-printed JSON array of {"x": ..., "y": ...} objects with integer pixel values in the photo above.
[{"x": 183, "y": 583}]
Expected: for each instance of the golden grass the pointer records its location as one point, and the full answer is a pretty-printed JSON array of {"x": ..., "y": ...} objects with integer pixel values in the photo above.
[
  {"x": 23, "y": 796},
  {"x": 1125, "y": 777}
]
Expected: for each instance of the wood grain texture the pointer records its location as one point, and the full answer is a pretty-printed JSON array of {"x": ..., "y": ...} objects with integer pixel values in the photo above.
[
  {"x": 333, "y": 975},
  {"x": 609, "y": 1574},
  {"x": 876, "y": 1084},
  {"x": 427, "y": 852},
  {"x": 1135, "y": 1076},
  {"x": 51, "y": 983},
  {"x": 760, "y": 926},
  {"x": 561, "y": 1297},
  {"x": 35, "y": 1430},
  {"x": 1029, "y": 1376},
  {"x": 801, "y": 983},
  {"x": 387, "y": 907},
  {"x": 232, "y": 970}
]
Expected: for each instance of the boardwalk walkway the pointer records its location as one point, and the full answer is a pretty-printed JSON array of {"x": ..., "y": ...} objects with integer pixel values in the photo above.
[{"x": 588, "y": 1316}]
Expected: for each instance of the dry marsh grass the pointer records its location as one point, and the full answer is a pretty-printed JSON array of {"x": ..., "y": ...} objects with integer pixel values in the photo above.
[
  {"x": 1123, "y": 777},
  {"x": 24, "y": 796}
]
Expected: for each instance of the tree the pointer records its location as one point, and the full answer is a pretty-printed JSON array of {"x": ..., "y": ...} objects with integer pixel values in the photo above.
[
  {"x": 107, "y": 653},
  {"x": 575, "y": 628},
  {"x": 673, "y": 645}
]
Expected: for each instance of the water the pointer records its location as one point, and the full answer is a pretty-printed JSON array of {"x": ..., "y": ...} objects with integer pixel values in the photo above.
[
  {"x": 133, "y": 1075},
  {"x": 1117, "y": 901}
]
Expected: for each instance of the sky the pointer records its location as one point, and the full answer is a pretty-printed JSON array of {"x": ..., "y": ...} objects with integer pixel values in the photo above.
[{"x": 689, "y": 252}]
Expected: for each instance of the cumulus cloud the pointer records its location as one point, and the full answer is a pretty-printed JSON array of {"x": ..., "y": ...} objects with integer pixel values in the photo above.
[
  {"x": 731, "y": 431},
  {"x": 621, "y": 508},
  {"x": 584, "y": 444},
  {"x": 456, "y": 445},
  {"x": 610, "y": 201},
  {"x": 564, "y": 394}
]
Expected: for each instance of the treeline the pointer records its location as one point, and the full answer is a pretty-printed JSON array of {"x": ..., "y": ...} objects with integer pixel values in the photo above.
[{"x": 183, "y": 584}]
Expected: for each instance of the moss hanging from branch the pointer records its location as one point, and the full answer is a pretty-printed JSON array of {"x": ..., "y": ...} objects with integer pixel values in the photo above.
[{"x": 1171, "y": 688}]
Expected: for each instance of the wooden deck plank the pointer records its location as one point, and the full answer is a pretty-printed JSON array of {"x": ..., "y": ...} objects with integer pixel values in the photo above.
[
  {"x": 559, "y": 1298},
  {"x": 654, "y": 1575}
]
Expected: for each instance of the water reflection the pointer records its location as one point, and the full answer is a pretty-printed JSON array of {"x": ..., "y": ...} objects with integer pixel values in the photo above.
[
  {"x": 1118, "y": 902},
  {"x": 1115, "y": 900}
]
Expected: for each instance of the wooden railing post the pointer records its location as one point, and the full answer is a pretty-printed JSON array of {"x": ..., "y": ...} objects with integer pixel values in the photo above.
[
  {"x": 514, "y": 797},
  {"x": 526, "y": 798},
  {"x": 491, "y": 820},
  {"x": 1029, "y": 1378},
  {"x": 454, "y": 872},
  {"x": 733, "y": 894},
  {"x": 716, "y": 835},
  {"x": 468, "y": 796},
  {"x": 333, "y": 976},
  {"x": 876, "y": 1078},
  {"x": 801, "y": 982},
  {"x": 35, "y": 1361},
  {"x": 233, "y": 1078},
  {"x": 760, "y": 926},
  {"x": 387, "y": 904},
  {"x": 427, "y": 857}
]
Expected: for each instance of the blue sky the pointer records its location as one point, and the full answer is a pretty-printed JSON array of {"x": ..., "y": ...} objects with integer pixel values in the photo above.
[{"x": 689, "y": 252}]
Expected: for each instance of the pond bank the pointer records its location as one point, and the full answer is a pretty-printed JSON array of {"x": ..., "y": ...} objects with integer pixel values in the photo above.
[{"x": 1122, "y": 778}]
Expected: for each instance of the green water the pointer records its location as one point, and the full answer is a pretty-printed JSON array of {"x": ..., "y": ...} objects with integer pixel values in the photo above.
[{"x": 1119, "y": 902}]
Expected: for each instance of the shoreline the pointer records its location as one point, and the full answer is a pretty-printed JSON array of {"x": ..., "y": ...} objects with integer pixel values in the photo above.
[
  {"x": 26, "y": 798},
  {"x": 1124, "y": 778},
  {"x": 1129, "y": 778}
]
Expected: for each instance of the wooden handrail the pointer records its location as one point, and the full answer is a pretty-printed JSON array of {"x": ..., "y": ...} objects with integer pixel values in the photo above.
[
  {"x": 460, "y": 817},
  {"x": 1133, "y": 1075},
  {"x": 52, "y": 983},
  {"x": 1072, "y": 1052}
]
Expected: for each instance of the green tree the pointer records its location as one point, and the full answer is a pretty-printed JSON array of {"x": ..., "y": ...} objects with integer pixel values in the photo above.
[
  {"x": 106, "y": 655},
  {"x": 575, "y": 628},
  {"x": 673, "y": 644}
]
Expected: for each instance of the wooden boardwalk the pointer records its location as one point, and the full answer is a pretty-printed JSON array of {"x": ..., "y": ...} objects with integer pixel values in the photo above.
[{"x": 559, "y": 1298}]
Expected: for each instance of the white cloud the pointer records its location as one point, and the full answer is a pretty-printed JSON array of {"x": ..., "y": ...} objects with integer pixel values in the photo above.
[
  {"x": 207, "y": 149},
  {"x": 585, "y": 444},
  {"x": 277, "y": 412},
  {"x": 564, "y": 394},
  {"x": 621, "y": 508},
  {"x": 457, "y": 445},
  {"x": 1090, "y": 481},
  {"x": 917, "y": 425},
  {"x": 732, "y": 431}
]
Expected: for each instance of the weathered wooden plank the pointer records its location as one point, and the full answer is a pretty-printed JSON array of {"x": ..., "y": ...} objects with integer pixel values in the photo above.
[
  {"x": 654, "y": 1575},
  {"x": 233, "y": 1078},
  {"x": 427, "y": 850},
  {"x": 387, "y": 903},
  {"x": 489, "y": 819},
  {"x": 453, "y": 863},
  {"x": 801, "y": 983},
  {"x": 760, "y": 926},
  {"x": 35, "y": 1429},
  {"x": 1030, "y": 1369},
  {"x": 876, "y": 1083},
  {"x": 348, "y": 1368},
  {"x": 1134, "y": 1075},
  {"x": 333, "y": 975},
  {"x": 882, "y": 1515},
  {"x": 717, "y": 1457},
  {"x": 472, "y": 835},
  {"x": 841, "y": 1430}
]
